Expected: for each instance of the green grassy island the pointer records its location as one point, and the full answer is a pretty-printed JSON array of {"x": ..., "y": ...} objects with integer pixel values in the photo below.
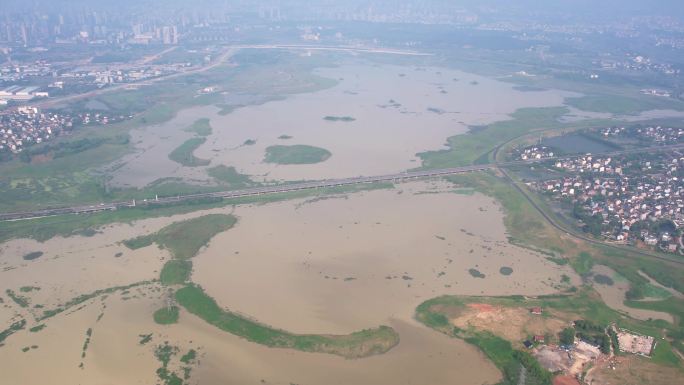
[
  {"x": 184, "y": 153},
  {"x": 359, "y": 344},
  {"x": 339, "y": 118},
  {"x": 296, "y": 154}
]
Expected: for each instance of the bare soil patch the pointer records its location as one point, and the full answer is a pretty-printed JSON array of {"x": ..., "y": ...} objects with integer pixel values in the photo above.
[
  {"x": 635, "y": 370},
  {"x": 513, "y": 324}
]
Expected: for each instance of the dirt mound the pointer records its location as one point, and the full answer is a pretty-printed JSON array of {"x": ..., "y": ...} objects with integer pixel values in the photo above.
[{"x": 511, "y": 323}]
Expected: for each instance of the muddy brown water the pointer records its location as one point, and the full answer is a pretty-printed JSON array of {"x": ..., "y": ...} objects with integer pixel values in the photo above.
[
  {"x": 396, "y": 118},
  {"x": 272, "y": 267},
  {"x": 614, "y": 296}
]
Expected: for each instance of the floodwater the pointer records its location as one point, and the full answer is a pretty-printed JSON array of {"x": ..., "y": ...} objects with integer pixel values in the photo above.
[
  {"x": 399, "y": 111},
  {"x": 614, "y": 296},
  {"x": 153, "y": 144},
  {"x": 115, "y": 356},
  {"x": 383, "y": 252},
  {"x": 326, "y": 266}
]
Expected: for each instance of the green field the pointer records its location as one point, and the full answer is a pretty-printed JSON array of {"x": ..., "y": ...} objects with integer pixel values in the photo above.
[
  {"x": 175, "y": 272},
  {"x": 166, "y": 315},
  {"x": 623, "y": 105},
  {"x": 184, "y": 153},
  {"x": 296, "y": 154},
  {"x": 184, "y": 239},
  {"x": 230, "y": 176},
  {"x": 356, "y": 345},
  {"x": 200, "y": 127},
  {"x": 477, "y": 145}
]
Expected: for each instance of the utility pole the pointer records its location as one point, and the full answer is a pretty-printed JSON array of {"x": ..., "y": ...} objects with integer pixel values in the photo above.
[{"x": 169, "y": 300}]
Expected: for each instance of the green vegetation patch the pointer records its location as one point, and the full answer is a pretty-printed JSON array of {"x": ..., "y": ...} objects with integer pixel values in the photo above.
[
  {"x": 567, "y": 336},
  {"x": 86, "y": 343},
  {"x": 144, "y": 338},
  {"x": 477, "y": 146},
  {"x": 653, "y": 291},
  {"x": 672, "y": 305},
  {"x": 189, "y": 356},
  {"x": 184, "y": 239},
  {"x": 475, "y": 273},
  {"x": 85, "y": 297},
  {"x": 28, "y": 289},
  {"x": 33, "y": 255},
  {"x": 593, "y": 334},
  {"x": 37, "y": 328},
  {"x": 230, "y": 176},
  {"x": 166, "y": 315},
  {"x": 164, "y": 353},
  {"x": 296, "y": 154},
  {"x": 175, "y": 272},
  {"x": 200, "y": 127},
  {"x": 139, "y": 242},
  {"x": 42, "y": 229},
  {"x": 184, "y": 153},
  {"x": 663, "y": 354},
  {"x": 339, "y": 118},
  {"x": 15, "y": 327},
  {"x": 623, "y": 105},
  {"x": 18, "y": 299},
  {"x": 358, "y": 344},
  {"x": 558, "y": 261},
  {"x": 583, "y": 263}
]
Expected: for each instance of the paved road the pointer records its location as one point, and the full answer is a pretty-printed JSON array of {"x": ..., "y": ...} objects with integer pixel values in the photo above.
[
  {"x": 277, "y": 189},
  {"x": 284, "y": 188}
]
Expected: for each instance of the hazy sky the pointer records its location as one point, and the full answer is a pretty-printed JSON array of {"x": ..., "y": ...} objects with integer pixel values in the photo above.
[{"x": 603, "y": 8}]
